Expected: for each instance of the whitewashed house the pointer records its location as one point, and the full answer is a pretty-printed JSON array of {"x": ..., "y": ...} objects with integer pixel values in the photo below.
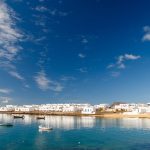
[
  {"x": 102, "y": 106},
  {"x": 69, "y": 109},
  {"x": 139, "y": 109},
  {"x": 88, "y": 110},
  {"x": 133, "y": 112},
  {"x": 125, "y": 107},
  {"x": 3, "y": 109},
  {"x": 23, "y": 109},
  {"x": 50, "y": 108},
  {"x": 10, "y": 107}
]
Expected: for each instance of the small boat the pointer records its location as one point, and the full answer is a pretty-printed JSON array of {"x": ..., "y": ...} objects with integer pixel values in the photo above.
[
  {"x": 6, "y": 124},
  {"x": 41, "y": 128},
  {"x": 18, "y": 116},
  {"x": 40, "y": 117}
]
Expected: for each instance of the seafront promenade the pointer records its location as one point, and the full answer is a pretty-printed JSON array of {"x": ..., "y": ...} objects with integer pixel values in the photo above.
[{"x": 100, "y": 115}]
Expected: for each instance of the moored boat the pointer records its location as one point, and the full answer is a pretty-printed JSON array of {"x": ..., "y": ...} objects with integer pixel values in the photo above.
[
  {"x": 18, "y": 116},
  {"x": 45, "y": 128},
  {"x": 40, "y": 117},
  {"x": 6, "y": 124}
]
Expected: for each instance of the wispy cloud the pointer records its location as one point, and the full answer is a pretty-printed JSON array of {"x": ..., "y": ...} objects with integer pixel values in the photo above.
[
  {"x": 10, "y": 37},
  {"x": 44, "y": 83},
  {"x": 115, "y": 74},
  {"x": 18, "y": 0},
  {"x": 120, "y": 63},
  {"x": 16, "y": 75},
  {"x": 68, "y": 78},
  {"x": 7, "y": 65},
  {"x": 52, "y": 12},
  {"x": 41, "y": 8},
  {"x": 83, "y": 70},
  {"x": 81, "y": 55},
  {"x": 84, "y": 40},
  {"x": 5, "y": 91},
  {"x": 9, "y": 33},
  {"x": 41, "y": 0},
  {"x": 5, "y": 100},
  {"x": 146, "y": 36}
]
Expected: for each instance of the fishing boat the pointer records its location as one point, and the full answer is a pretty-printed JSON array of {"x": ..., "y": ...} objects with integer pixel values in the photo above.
[
  {"x": 6, "y": 124},
  {"x": 18, "y": 116},
  {"x": 40, "y": 117},
  {"x": 45, "y": 128}
]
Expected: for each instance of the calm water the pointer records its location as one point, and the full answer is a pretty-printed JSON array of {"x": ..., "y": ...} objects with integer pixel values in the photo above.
[{"x": 75, "y": 133}]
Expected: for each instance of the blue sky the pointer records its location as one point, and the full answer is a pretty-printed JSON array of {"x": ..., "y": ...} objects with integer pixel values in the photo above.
[{"x": 60, "y": 51}]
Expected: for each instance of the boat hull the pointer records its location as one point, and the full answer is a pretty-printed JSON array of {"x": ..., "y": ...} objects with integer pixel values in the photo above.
[
  {"x": 17, "y": 117},
  {"x": 6, "y": 125}
]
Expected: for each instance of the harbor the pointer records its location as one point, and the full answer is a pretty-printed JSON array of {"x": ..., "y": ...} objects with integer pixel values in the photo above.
[{"x": 75, "y": 130}]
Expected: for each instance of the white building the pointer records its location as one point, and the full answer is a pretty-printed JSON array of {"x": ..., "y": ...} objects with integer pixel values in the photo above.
[
  {"x": 3, "y": 109},
  {"x": 126, "y": 107},
  {"x": 103, "y": 106},
  {"x": 122, "y": 107},
  {"x": 133, "y": 112},
  {"x": 69, "y": 109},
  {"x": 23, "y": 109},
  {"x": 50, "y": 108},
  {"x": 88, "y": 110}
]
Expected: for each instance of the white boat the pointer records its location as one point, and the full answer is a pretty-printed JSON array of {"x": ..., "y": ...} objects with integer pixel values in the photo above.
[{"x": 44, "y": 128}]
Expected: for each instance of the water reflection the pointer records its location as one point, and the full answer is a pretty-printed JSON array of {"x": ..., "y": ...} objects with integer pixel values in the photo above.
[
  {"x": 128, "y": 123},
  {"x": 5, "y": 118},
  {"x": 70, "y": 122}
]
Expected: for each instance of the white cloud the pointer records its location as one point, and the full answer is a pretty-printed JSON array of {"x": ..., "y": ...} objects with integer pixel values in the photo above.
[
  {"x": 110, "y": 66},
  {"x": 41, "y": 8},
  {"x": 16, "y": 75},
  {"x": 52, "y": 12},
  {"x": 44, "y": 83},
  {"x": 84, "y": 41},
  {"x": 7, "y": 65},
  {"x": 120, "y": 63},
  {"x": 83, "y": 70},
  {"x": 62, "y": 14},
  {"x": 123, "y": 58},
  {"x": 146, "y": 36},
  {"x": 5, "y": 99},
  {"x": 146, "y": 28},
  {"x": 9, "y": 33},
  {"x": 5, "y": 91},
  {"x": 10, "y": 36},
  {"x": 68, "y": 78},
  {"x": 115, "y": 74},
  {"x": 18, "y": 0},
  {"x": 81, "y": 55},
  {"x": 131, "y": 57}
]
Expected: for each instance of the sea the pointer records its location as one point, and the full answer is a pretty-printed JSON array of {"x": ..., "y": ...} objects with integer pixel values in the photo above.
[{"x": 75, "y": 133}]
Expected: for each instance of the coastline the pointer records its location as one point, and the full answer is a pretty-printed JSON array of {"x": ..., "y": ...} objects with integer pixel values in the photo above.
[{"x": 103, "y": 115}]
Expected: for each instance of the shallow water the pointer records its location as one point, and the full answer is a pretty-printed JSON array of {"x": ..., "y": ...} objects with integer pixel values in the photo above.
[{"x": 75, "y": 133}]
